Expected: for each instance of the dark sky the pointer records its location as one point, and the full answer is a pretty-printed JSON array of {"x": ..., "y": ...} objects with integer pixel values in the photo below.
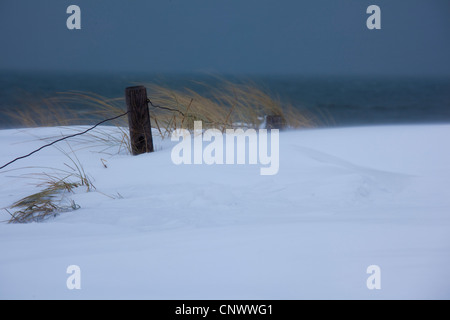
[{"x": 228, "y": 36}]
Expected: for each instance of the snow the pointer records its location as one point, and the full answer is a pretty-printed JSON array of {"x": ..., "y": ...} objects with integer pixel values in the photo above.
[{"x": 344, "y": 199}]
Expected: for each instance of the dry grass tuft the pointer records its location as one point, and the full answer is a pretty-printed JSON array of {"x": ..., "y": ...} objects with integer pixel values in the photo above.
[
  {"x": 52, "y": 200},
  {"x": 43, "y": 205},
  {"x": 228, "y": 105}
]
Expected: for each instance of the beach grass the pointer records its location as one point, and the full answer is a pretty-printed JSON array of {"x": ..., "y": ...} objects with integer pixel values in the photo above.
[
  {"x": 55, "y": 185},
  {"x": 225, "y": 105}
]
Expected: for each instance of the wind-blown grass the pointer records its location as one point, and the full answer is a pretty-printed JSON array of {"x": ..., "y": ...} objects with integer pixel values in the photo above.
[
  {"x": 224, "y": 105},
  {"x": 44, "y": 204},
  {"x": 52, "y": 200},
  {"x": 228, "y": 105}
]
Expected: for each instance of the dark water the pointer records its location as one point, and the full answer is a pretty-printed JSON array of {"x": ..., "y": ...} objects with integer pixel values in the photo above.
[{"x": 339, "y": 101}]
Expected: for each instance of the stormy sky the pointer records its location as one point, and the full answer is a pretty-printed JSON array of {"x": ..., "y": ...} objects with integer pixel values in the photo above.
[{"x": 305, "y": 37}]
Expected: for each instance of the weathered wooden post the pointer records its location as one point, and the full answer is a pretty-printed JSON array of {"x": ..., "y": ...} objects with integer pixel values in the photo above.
[
  {"x": 275, "y": 122},
  {"x": 139, "y": 120}
]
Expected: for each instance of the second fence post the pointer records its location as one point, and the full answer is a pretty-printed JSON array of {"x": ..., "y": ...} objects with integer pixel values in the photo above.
[{"x": 139, "y": 120}]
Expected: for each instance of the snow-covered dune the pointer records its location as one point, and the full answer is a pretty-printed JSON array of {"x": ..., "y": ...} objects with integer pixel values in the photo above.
[{"x": 344, "y": 199}]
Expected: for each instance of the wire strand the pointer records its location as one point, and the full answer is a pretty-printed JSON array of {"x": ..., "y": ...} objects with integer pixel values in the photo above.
[
  {"x": 165, "y": 108},
  {"x": 64, "y": 138}
]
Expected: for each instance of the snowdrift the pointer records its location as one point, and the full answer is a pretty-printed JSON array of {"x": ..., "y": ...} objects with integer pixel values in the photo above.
[{"x": 344, "y": 199}]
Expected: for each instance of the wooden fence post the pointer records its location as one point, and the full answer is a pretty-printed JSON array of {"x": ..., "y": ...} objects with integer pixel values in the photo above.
[
  {"x": 275, "y": 122},
  {"x": 139, "y": 120}
]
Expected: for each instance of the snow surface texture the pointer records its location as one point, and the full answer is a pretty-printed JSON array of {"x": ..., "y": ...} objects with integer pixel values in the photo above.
[{"x": 344, "y": 199}]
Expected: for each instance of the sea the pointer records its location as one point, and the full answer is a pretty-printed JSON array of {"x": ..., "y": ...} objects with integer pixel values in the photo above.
[{"x": 338, "y": 101}]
